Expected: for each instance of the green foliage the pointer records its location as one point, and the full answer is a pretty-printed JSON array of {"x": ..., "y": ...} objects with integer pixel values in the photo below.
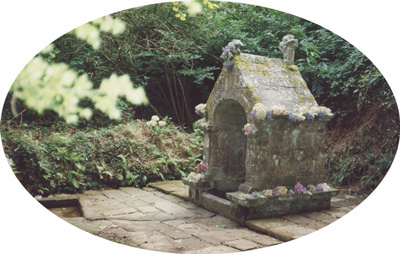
[
  {"x": 125, "y": 155},
  {"x": 47, "y": 85},
  {"x": 359, "y": 157}
]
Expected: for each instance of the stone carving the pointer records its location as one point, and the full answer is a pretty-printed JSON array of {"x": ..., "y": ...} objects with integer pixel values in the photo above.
[
  {"x": 237, "y": 44},
  {"x": 288, "y": 46}
]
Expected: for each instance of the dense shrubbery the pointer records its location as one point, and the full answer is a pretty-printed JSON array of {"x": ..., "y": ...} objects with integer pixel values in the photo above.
[
  {"x": 130, "y": 154},
  {"x": 361, "y": 151}
]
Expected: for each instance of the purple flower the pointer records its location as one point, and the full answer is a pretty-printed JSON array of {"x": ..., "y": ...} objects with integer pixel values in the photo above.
[
  {"x": 254, "y": 194},
  {"x": 292, "y": 117},
  {"x": 249, "y": 129},
  {"x": 309, "y": 116},
  {"x": 298, "y": 188},
  {"x": 269, "y": 115},
  {"x": 223, "y": 56},
  {"x": 253, "y": 113},
  {"x": 321, "y": 114},
  {"x": 274, "y": 192},
  {"x": 319, "y": 187},
  {"x": 230, "y": 47}
]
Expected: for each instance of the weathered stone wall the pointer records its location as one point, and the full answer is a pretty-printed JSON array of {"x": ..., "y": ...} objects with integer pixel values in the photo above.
[
  {"x": 227, "y": 147},
  {"x": 283, "y": 152}
]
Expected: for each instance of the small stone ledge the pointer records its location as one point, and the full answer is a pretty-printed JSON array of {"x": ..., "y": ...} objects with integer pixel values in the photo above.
[
  {"x": 273, "y": 206},
  {"x": 196, "y": 185},
  {"x": 222, "y": 207},
  {"x": 235, "y": 197}
]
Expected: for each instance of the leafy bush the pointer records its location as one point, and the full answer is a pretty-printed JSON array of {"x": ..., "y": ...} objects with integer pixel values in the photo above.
[
  {"x": 361, "y": 152},
  {"x": 130, "y": 154}
]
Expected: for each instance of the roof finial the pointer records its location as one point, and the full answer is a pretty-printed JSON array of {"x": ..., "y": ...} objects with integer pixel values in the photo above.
[{"x": 288, "y": 45}]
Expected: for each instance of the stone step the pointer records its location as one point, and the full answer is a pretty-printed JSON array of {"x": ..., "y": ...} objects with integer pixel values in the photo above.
[
  {"x": 175, "y": 188},
  {"x": 279, "y": 228}
]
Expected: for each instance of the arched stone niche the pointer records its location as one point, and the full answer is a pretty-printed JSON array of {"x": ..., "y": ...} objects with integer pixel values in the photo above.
[{"x": 227, "y": 151}]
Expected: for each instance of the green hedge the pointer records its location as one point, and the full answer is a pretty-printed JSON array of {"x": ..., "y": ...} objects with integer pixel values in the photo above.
[{"x": 130, "y": 154}]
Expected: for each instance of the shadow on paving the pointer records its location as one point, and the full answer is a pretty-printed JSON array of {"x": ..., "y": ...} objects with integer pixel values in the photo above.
[{"x": 161, "y": 218}]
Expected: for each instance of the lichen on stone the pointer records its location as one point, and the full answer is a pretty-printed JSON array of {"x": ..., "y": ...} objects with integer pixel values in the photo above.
[
  {"x": 256, "y": 99},
  {"x": 248, "y": 91},
  {"x": 264, "y": 62},
  {"x": 298, "y": 81},
  {"x": 290, "y": 69},
  {"x": 238, "y": 60},
  {"x": 209, "y": 103}
]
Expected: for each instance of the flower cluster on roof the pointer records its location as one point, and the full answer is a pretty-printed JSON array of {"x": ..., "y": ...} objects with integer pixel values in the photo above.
[
  {"x": 260, "y": 112},
  {"x": 229, "y": 51}
]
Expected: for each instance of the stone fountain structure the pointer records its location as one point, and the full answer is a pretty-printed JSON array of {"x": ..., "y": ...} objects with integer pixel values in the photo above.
[{"x": 284, "y": 147}]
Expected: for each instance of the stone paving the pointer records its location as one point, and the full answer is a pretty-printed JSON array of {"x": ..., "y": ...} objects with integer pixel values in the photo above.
[{"x": 160, "y": 218}]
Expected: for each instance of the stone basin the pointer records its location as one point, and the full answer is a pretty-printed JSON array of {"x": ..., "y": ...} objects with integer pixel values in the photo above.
[{"x": 272, "y": 206}]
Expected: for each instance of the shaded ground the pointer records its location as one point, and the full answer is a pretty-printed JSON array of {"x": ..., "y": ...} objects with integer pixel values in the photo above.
[{"x": 160, "y": 218}]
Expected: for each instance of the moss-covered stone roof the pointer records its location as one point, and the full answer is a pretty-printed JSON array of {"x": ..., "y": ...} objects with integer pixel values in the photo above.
[{"x": 273, "y": 82}]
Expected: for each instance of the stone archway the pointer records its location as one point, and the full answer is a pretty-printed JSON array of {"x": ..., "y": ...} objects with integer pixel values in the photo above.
[{"x": 227, "y": 147}]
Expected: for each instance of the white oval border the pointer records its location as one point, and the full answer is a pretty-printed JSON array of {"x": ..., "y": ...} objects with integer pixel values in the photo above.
[{"x": 28, "y": 26}]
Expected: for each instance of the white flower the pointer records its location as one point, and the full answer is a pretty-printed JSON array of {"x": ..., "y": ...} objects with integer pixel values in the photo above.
[
  {"x": 260, "y": 111},
  {"x": 201, "y": 108},
  {"x": 114, "y": 113},
  {"x": 306, "y": 109},
  {"x": 118, "y": 27},
  {"x": 155, "y": 118},
  {"x": 90, "y": 34},
  {"x": 151, "y": 123},
  {"x": 326, "y": 187},
  {"x": 162, "y": 123},
  {"x": 326, "y": 111},
  {"x": 300, "y": 117},
  {"x": 194, "y": 177},
  {"x": 279, "y": 110},
  {"x": 137, "y": 96},
  {"x": 314, "y": 110},
  {"x": 47, "y": 49},
  {"x": 281, "y": 190},
  {"x": 105, "y": 23},
  {"x": 199, "y": 177},
  {"x": 86, "y": 113},
  {"x": 193, "y": 7},
  {"x": 268, "y": 193},
  {"x": 71, "y": 118}
]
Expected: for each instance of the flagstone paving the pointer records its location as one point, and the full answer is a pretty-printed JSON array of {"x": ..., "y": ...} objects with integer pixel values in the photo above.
[{"x": 160, "y": 218}]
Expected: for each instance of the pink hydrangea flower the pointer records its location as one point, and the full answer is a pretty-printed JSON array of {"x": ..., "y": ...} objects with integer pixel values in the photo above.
[{"x": 202, "y": 166}]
